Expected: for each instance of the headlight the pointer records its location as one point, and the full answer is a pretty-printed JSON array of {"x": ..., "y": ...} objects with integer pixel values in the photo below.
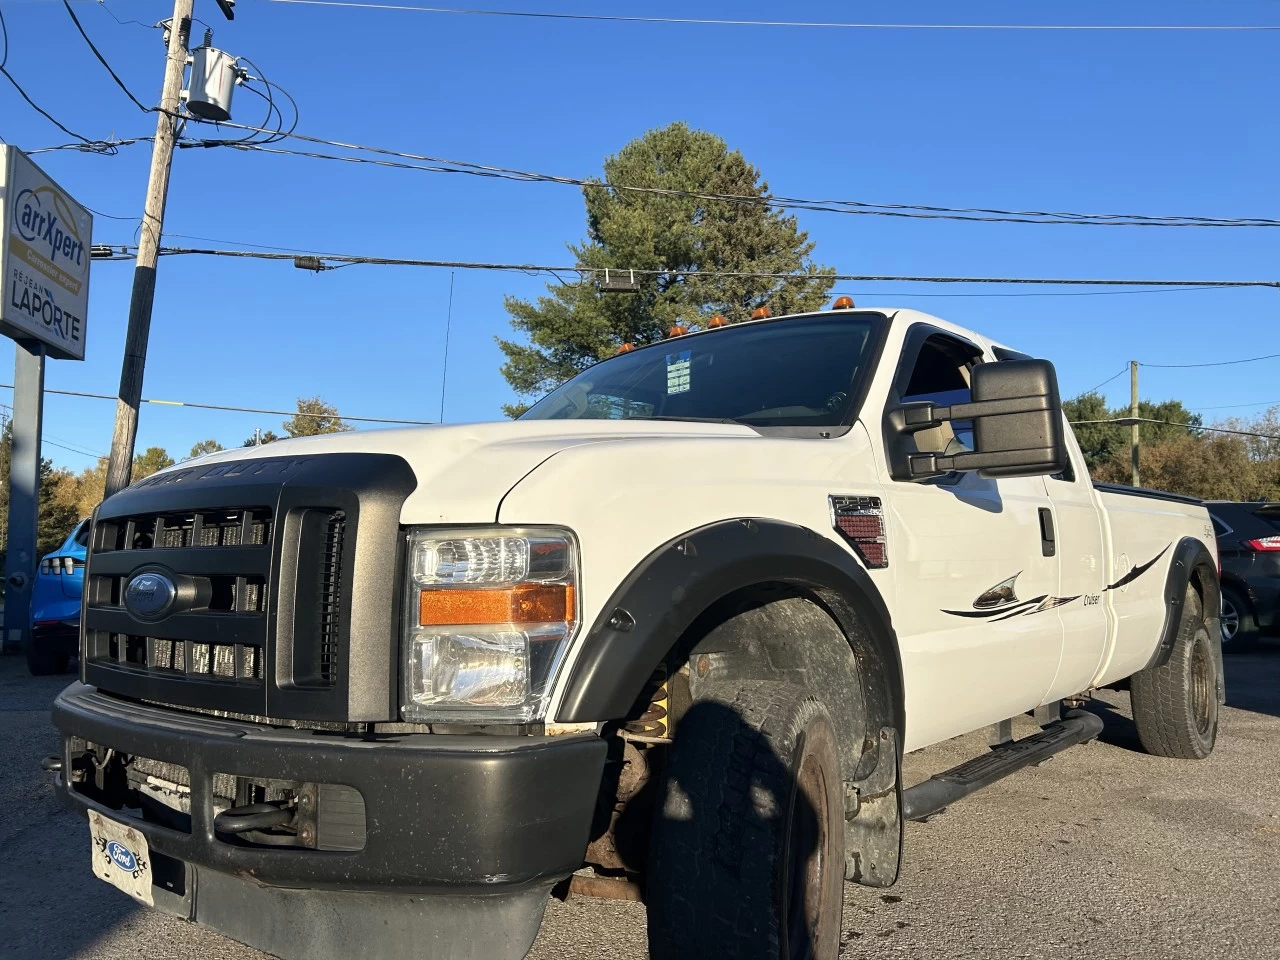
[{"x": 488, "y": 614}]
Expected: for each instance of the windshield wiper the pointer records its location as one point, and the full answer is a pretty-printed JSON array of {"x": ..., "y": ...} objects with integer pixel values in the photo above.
[{"x": 741, "y": 423}]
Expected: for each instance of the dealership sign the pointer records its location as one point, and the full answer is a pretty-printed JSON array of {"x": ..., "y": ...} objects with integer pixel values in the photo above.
[{"x": 44, "y": 251}]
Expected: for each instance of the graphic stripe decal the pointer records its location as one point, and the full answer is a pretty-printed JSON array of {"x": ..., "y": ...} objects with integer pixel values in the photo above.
[{"x": 1136, "y": 572}]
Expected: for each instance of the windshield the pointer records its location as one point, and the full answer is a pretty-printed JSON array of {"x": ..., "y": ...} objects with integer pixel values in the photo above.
[{"x": 804, "y": 371}]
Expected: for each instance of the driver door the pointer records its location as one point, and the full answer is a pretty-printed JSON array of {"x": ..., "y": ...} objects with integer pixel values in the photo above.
[{"x": 974, "y": 585}]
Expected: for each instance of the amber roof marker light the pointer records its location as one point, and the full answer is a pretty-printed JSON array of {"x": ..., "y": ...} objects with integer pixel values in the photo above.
[
  {"x": 843, "y": 303},
  {"x": 626, "y": 348},
  {"x": 761, "y": 313},
  {"x": 678, "y": 330},
  {"x": 717, "y": 321}
]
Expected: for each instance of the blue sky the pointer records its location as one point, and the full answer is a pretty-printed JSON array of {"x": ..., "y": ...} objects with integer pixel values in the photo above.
[{"x": 1151, "y": 123}]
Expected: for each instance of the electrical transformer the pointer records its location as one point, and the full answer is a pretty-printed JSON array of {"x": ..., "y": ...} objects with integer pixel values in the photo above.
[{"x": 213, "y": 81}]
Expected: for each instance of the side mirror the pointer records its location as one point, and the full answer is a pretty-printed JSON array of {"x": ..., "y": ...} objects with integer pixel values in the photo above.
[{"x": 1017, "y": 425}]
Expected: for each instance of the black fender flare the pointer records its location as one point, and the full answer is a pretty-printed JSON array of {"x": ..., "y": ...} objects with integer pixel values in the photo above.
[
  {"x": 662, "y": 597},
  {"x": 1190, "y": 556}
]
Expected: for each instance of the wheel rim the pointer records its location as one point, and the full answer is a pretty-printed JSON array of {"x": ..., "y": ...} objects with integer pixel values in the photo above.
[
  {"x": 807, "y": 866},
  {"x": 1202, "y": 687},
  {"x": 1230, "y": 620}
]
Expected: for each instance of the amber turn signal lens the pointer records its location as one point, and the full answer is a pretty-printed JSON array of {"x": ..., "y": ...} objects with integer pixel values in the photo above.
[
  {"x": 526, "y": 603},
  {"x": 761, "y": 313}
]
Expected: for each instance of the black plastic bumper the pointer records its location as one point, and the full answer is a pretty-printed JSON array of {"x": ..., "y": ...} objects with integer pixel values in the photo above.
[{"x": 454, "y": 823}]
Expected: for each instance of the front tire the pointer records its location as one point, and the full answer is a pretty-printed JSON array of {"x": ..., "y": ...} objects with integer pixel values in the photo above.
[
  {"x": 747, "y": 854},
  {"x": 1175, "y": 705}
]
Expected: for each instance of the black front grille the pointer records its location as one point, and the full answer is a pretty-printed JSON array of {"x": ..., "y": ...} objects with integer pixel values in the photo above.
[
  {"x": 262, "y": 555},
  {"x": 218, "y": 630},
  {"x": 217, "y": 528}
]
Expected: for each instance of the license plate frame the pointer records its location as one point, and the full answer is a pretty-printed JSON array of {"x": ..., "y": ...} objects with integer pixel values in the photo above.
[{"x": 121, "y": 856}]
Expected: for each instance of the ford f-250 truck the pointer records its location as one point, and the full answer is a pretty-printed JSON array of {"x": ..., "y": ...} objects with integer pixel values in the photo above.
[{"x": 667, "y": 636}]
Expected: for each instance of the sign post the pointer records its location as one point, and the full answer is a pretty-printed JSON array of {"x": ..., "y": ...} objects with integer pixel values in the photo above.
[{"x": 44, "y": 294}]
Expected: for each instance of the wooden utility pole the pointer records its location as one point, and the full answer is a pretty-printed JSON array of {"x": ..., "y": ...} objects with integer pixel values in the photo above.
[
  {"x": 1133, "y": 412},
  {"x": 120, "y": 465}
]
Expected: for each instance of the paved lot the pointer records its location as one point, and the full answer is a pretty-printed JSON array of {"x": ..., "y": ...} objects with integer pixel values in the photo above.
[{"x": 1103, "y": 852}]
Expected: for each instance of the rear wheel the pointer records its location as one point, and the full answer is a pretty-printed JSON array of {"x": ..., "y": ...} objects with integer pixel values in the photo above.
[
  {"x": 748, "y": 845},
  {"x": 1239, "y": 628},
  {"x": 1175, "y": 705}
]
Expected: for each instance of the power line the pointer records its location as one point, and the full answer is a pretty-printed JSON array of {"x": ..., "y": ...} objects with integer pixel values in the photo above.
[
  {"x": 1058, "y": 293},
  {"x": 124, "y": 23},
  {"x": 1238, "y": 406},
  {"x": 1121, "y": 372},
  {"x": 1129, "y": 421},
  {"x": 4, "y": 30},
  {"x": 778, "y": 23},
  {"x": 215, "y": 406},
  {"x": 122, "y": 253},
  {"x": 103, "y": 60},
  {"x": 107, "y": 147},
  {"x": 425, "y": 163},
  {"x": 1219, "y": 363}
]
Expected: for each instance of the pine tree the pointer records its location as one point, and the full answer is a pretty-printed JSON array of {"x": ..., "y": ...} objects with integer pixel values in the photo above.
[{"x": 676, "y": 235}]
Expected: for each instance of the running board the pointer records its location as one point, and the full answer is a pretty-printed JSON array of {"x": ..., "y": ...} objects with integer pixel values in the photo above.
[{"x": 943, "y": 789}]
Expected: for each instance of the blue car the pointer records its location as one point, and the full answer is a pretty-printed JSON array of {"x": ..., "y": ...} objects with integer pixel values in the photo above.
[{"x": 55, "y": 605}]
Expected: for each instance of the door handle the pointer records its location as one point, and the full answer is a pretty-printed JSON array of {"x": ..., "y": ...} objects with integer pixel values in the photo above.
[{"x": 1048, "y": 543}]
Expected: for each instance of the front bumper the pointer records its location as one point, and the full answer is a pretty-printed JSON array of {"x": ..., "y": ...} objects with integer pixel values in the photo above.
[{"x": 459, "y": 829}]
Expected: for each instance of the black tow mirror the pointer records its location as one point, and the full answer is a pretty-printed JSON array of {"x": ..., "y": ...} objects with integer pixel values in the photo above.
[{"x": 1017, "y": 425}]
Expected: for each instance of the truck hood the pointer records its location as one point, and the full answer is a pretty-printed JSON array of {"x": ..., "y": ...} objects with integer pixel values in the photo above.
[{"x": 465, "y": 470}]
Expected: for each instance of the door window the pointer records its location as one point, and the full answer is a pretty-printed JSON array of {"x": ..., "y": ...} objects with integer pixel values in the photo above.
[{"x": 940, "y": 375}]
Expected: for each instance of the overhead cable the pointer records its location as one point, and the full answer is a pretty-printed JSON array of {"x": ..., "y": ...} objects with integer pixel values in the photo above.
[
  {"x": 1217, "y": 363},
  {"x": 1129, "y": 421},
  {"x": 777, "y": 23},
  {"x": 123, "y": 253},
  {"x": 4, "y": 71},
  {"x": 103, "y": 60},
  {"x": 430, "y": 164},
  {"x": 215, "y": 406}
]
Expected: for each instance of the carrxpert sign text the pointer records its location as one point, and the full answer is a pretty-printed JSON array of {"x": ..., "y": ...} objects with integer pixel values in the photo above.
[
  {"x": 27, "y": 293},
  {"x": 38, "y": 225}
]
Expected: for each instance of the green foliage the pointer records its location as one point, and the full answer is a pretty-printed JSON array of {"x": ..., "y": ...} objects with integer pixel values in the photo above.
[
  {"x": 55, "y": 518},
  {"x": 577, "y": 325},
  {"x": 204, "y": 447},
  {"x": 1103, "y": 443},
  {"x": 314, "y": 417},
  {"x": 149, "y": 461},
  {"x": 266, "y": 436}
]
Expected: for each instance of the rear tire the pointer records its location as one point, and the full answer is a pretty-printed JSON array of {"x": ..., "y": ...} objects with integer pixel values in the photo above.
[
  {"x": 1239, "y": 627},
  {"x": 747, "y": 856},
  {"x": 1175, "y": 705},
  {"x": 43, "y": 662}
]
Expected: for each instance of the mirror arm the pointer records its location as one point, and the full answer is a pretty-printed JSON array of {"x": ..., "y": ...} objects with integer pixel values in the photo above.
[
  {"x": 925, "y": 465},
  {"x": 929, "y": 415}
]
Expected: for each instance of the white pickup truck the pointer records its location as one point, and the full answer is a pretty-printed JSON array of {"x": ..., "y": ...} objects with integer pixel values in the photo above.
[{"x": 667, "y": 636}]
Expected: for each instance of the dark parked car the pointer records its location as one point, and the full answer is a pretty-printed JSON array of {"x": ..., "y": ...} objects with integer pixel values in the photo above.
[
  {"x": 1249, "y": 547},
  {"x": 55, "y": 605}
]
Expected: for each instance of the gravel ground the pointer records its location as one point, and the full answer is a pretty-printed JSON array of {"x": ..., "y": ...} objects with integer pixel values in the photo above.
[{"x": 1102, "y": 852}]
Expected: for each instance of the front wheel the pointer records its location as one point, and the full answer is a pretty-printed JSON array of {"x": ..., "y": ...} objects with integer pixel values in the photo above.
[
  {"x": 747, "y": 855},
  {"x": 1175, "y": 704}
]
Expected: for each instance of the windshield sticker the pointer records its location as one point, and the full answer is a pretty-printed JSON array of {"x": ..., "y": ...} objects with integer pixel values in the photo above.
[{"x": 678, "y": 371}]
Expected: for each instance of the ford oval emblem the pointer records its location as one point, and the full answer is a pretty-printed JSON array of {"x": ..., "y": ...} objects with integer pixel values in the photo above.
[
  {"x": 122, "y": 856},
  {"x": 149, "y": 595}
]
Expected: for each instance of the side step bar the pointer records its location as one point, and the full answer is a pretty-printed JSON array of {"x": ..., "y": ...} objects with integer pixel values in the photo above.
[{"x": 943, "y": 789}]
